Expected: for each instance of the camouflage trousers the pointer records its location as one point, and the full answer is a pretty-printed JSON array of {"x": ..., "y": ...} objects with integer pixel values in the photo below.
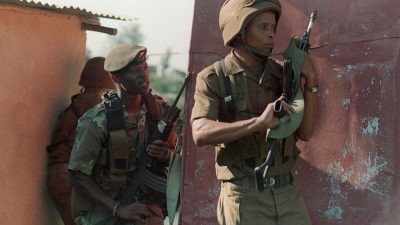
[
  {"x": 60, "y": 191},
  {"x": 244, "y": 205}
]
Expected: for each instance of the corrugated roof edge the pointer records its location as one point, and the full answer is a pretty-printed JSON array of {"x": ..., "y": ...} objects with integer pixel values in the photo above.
[{"x": 67, "y": 9}]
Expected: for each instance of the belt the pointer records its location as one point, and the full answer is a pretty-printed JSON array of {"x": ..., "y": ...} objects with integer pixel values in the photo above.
[{"x": 272, "y": 182}]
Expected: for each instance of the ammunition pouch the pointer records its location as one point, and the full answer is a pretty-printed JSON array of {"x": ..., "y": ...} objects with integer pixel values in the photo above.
[{"x": 118, "y": 141}]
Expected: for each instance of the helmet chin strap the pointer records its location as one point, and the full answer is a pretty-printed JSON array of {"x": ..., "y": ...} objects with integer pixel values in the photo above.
[
  {"x": 257, "y": 53},
  {"x": 123, "y": 87}
]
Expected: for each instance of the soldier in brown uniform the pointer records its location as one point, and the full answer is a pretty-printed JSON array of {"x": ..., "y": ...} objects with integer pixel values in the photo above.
[
  {"x": 238, "y": 127},
  {"x": 94, "y": 81},
  {"x": 110, "y": 147}
]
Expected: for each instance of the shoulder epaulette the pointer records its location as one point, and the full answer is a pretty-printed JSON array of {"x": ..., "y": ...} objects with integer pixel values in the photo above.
[{"x": 94, "y": 111}]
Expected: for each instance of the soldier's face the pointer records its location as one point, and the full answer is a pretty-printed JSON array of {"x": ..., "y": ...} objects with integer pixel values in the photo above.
[
  {"x": 260, "y": 32},
  {"x": 136, "y": 79}
]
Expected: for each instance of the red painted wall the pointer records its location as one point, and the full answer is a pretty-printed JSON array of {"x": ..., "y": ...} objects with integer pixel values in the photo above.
[
  {"x": 41, "y": 56},
  {"x": 348, "y": 171}
]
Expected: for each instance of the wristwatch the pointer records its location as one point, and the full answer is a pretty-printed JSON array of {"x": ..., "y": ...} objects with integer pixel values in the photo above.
[{"x": 312, "y": 89}]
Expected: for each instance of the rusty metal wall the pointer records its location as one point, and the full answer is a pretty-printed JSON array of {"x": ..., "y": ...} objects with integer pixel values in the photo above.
[{"x": 348, "y": 172}]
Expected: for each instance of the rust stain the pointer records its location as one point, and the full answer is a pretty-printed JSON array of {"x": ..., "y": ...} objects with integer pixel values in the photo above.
[{"x": 346, "y": 172}]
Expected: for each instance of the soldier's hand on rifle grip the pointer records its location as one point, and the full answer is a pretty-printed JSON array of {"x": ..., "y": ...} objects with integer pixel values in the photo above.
[
  {"x": 281, "y": 108},
  {"x": 158, "y": 150},
  {"x": 133, "y": 212},
  {"x": 267, "y": 119}
]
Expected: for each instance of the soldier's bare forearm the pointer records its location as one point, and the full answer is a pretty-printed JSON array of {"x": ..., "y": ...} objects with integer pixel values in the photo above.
[
  {"x": 306, "y": 128},
  {"x": 206, "y": 131}
]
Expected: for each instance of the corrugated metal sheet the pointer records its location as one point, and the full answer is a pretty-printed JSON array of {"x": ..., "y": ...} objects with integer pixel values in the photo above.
[
  {"x": 348, "y": 172},
  {"x": 68, "y": 9}
]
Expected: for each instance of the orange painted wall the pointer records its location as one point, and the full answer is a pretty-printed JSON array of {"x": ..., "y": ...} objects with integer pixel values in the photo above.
[{"x": 41, "y": 56}]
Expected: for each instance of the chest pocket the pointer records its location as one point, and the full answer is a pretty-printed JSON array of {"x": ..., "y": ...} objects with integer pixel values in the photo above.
[
  {"x": 234, "y": 107},
  {"x": 233, "y": 99},
  {"x": 240, "y": 98}
]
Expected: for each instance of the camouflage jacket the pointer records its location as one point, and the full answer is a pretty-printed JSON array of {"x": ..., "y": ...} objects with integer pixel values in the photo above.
[{"x": 90, "y": 155}]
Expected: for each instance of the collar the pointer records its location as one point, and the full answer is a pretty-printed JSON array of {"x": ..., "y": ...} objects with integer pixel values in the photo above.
[{"x": 232, "y": 64}]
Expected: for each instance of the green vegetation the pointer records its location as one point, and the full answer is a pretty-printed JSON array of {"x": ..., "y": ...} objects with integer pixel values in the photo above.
[
  {"x": 168, "y": 85},
  {"x": 165, "y": 81}
]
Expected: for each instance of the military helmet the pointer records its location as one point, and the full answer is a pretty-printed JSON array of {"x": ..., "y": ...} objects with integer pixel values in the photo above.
[
  {"x": 236, "y": 14},
  {"x": 94, "y": 75},
  {"x": 122, "y": 55}
]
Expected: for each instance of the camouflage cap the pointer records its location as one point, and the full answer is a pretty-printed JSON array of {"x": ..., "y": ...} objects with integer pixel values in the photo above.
[{"x": 121, "y": 56}]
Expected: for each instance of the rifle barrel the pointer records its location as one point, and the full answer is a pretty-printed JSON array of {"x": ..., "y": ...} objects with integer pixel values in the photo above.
[{"x": 187, "y": 78}]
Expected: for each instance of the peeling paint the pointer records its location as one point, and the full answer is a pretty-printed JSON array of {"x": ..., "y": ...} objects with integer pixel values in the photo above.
[
  {"x": 359, "y": 68},
  {"x": 339, "y": 72},
  {"x": 372, "y": 126},
  {"x": 350, "y": 68},
  {"x": 336, "y": 176},
  {"x": 346, "y": 102},
  {"x": 348, "y": 147},
  {"x": 200, "y": 165},
  {"x": 344, "y": 151},
  {"x": 214, "y": 192},
  {"x": 336, "y": 170},
  {"x": 334, "y": 213},
  {"x": 375, "y": 164},
  {"x": 326, "y": 92},
  {"x": 208, "y": 211}
]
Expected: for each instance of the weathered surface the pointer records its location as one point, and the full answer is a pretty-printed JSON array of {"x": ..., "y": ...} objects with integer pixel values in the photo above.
[{"x": 347, "y": 172}]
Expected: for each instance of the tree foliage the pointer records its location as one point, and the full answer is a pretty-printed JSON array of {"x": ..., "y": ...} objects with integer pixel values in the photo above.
[{"x": 169, "y": 85}]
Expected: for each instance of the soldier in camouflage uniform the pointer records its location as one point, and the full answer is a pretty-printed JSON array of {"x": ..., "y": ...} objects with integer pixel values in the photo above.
[
  {"x": 97, "y": 189},
  {"x": 94, "y": 81},
  {"x": 249, "y": 26}
]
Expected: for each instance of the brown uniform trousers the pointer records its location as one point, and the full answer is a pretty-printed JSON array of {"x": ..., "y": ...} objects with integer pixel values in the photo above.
[{"x": 244, "y": 205}]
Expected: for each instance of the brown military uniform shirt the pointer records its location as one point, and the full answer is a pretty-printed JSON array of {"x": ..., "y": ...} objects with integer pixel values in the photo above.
[{"x": 252, "y": 92}]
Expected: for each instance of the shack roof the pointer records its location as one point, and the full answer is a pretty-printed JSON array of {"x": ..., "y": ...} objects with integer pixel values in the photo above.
[{"x": 64, "y": 8}]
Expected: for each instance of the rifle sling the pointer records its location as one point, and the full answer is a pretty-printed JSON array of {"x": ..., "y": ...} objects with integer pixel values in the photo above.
[{"x": 119, "y": 147}]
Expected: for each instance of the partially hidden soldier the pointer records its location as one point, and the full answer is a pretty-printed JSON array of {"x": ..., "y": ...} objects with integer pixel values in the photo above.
[
  {"x": 111, "y": 145},
  {"x": 234, "y": 110},
  {"x": 94, "y": 81}
]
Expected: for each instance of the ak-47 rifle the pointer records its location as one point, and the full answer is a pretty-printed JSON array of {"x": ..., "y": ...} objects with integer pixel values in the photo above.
[
  {"x": 164, "y": 127},
  {"x": 142, "y": 174},
  {"x": 261, "y": 172},
  {"x": 305, "y": 39}
]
